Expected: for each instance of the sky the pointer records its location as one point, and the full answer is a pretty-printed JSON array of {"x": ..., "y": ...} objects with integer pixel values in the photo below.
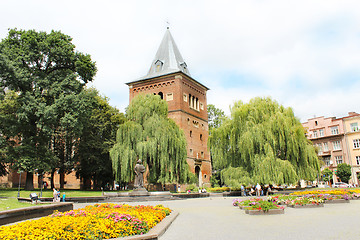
[{"x": 303, "y": 54}]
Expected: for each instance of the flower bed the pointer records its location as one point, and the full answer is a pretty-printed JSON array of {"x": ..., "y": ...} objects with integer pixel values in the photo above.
[
  {"x": 303, "y": 201},
  {"x": 330, "y": 192},
  {"x": 99, "y": 221},
  {"x": 256, "y": 204},
  {"x": 268, "y": 212}
]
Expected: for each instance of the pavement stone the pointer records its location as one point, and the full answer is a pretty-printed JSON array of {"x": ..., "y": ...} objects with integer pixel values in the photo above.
[{"x": 216, "y": 218}]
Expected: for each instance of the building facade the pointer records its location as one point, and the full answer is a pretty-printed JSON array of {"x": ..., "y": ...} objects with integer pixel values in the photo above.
[
  {"x": 337, "y": 141},
  {"x": 170, "y": 78},
  {"x": 352, "y": 138}
]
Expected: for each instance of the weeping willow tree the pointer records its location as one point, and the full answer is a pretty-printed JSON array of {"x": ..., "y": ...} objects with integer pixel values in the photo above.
[
  {"x": 265, "y": 140},
  {"x": 155, "y": 139}
]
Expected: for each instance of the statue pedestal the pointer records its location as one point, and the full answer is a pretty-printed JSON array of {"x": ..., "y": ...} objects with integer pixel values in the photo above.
[{"x": 139, "y": 192}]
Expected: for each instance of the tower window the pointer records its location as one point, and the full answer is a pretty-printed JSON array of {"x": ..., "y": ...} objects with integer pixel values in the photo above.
[
  {"x": 201, "y": 138},
  {"x": 158, "y": 66},
  {"x": 191, "y": 152},
  {"x": 161, "y": 95},
  {"x": 202, "y": 154},
  {"x": 169, "y": 97},
  {"x": 190, "y": 133}
]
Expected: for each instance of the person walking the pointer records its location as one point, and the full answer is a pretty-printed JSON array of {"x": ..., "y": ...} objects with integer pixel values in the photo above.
[
  {"x": 243, "y": 193},
  {"x": 55, "y": 195},
  {"x": 258, "y": 190}
]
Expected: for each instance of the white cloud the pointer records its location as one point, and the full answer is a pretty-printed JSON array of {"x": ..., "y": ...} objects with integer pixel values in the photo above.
[{"x": 305, "y": 54}]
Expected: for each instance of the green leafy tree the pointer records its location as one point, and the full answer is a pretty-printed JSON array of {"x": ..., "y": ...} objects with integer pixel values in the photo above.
[
  {"x": 344, "y": 172},
  {"x": 267, "y": 141},
  {"x": 98, "y": 136},
  {"x": 8, "y": 106},
  {"x": 215, "y": 118},
  {"x": 154, "y": 138},
  {"x": 326, "y": 175},
  {"x": 46, "y": 73},
  {"x": 235, "y": 177}
]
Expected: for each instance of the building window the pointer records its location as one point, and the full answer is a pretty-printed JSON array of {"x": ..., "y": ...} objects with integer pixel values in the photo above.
[
  {"x": 190, "y": 133},
  {"x": 202, "y": 154},
  {"x": 191, "y": 152},
  {"x": 161, "y": 95},
  {"x": 335, "y": 130},
  {"x": 188, "y": 121},
  {"x": 338, "y": 160},
  {"x": 321, "y": 132},
  {"x": 319, "y": 146},
  {"x": 201, "y": 138},
  {"x": 326, "y": 147},
  {"x": 201, "y": 106},
  {"x": 327, "y": 161},
  {"x": 315, "y": 134},
  {"x": 354, "y": 127},
  {"x": 158, "y": 66},
  {"x": 316, "y": 123},
  {"x": 356, "y": 143},
  {"x": 357, "y": 158},
  {"x": 336, "y": 145},
  {"x": 185, "y": 97},
  {"x": 169, "y": 97},
  {"x": 196, "y": 124}
]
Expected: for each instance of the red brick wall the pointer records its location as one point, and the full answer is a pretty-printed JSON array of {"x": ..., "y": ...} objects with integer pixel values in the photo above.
[{"x": 187, "y": 118}]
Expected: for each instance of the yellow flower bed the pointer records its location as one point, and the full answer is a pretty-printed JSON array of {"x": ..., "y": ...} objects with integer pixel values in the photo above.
[
  {"x": 331, "y": 192},
  {"x": 100, "y": 221}
]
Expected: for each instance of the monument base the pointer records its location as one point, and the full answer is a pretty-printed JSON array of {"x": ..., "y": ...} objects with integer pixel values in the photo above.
[{"x": 139, "y": 192}]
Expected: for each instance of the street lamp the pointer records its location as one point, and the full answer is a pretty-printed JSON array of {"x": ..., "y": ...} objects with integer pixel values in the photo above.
[
  {"x": 19, "y": 185},
  {"x": 41, "y": 185}
]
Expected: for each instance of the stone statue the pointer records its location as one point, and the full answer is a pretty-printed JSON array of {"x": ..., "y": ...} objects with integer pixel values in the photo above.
[{"x": 139, "y": 174}]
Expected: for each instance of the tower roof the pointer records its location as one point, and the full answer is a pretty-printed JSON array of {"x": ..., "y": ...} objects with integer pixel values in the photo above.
[{"x": 167, "y": 59}]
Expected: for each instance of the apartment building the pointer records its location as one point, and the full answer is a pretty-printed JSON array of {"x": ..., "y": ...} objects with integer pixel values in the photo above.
[
  {"x": 337, "y": 141},
  {"x": 352, "y": 138}
]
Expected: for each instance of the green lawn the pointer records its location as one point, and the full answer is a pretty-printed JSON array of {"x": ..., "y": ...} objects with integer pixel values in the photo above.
[
  {"x": 12, "y": 203},
  {"x": 48, "y": 193},
  {"x": 8, "y": 197}
]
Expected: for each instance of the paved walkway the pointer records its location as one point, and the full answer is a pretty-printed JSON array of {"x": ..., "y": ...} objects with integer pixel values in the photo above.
[{"x": 215, "y": 218}]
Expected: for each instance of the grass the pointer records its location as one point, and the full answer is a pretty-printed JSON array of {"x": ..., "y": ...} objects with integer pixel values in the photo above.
[
  {"x": 8, "y": 197},
  {"x": 12, "y": 193},
  {"x": 12, "y": 203}
]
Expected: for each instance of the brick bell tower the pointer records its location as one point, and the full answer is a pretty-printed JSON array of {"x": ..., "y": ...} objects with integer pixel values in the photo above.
[{"x": 170, "y": 78}]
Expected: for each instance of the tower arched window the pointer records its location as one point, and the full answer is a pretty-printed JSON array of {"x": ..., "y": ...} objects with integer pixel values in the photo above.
[{"x": 161, "y": 95}]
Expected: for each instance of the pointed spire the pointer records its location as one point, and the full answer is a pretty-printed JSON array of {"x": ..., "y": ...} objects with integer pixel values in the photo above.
[{"x": 167, "y": 59}]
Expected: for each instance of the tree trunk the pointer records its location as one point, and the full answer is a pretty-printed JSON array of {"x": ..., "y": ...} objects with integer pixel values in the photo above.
[
  {"x": 86, "y": 183},
  {"x": 62, "y": 178},
  {"x": 29, "y": 185},
  {"x": 52, "y": 179}
]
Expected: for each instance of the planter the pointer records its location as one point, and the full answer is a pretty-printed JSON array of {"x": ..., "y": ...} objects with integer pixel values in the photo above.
[
  {"x": 337, "y": 201},
  {"x": 261, "y": 212},
  {"x": 307, "y": 206}
]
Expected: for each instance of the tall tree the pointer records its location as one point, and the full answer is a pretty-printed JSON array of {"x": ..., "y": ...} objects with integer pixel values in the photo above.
[
  {"x": 344, "y": 172},
  {"x": 154, "y": 138},
  {"x": 266, "y": 140},
  {"x": 46, "y": 72},
  {"x": 326, "y": 175},
  {"x": 215, "y": 116},
  {"x": 98, "y": 136}
]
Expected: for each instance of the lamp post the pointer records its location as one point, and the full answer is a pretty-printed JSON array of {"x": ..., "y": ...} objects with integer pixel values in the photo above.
[
  {"x": 19, "y": 185},
  {"x": 41, "y": 185}
]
